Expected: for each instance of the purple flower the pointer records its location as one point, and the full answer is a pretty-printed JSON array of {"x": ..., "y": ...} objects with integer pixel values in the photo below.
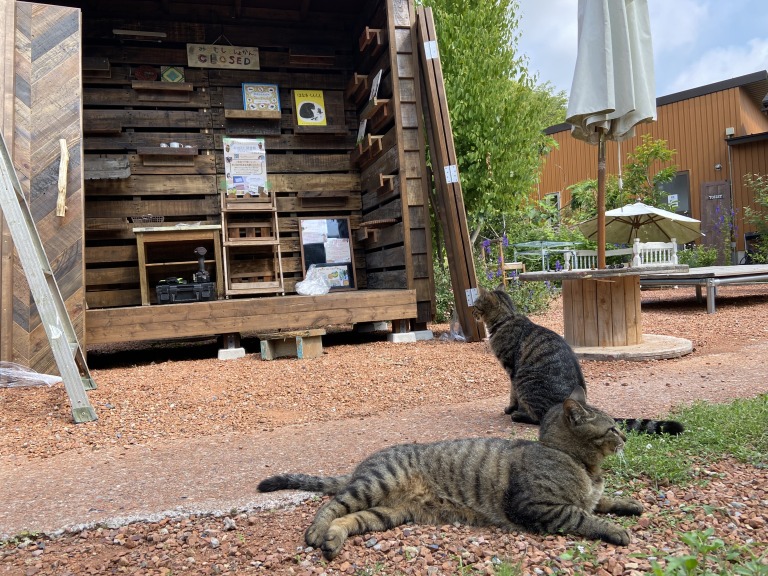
[
  {"x": 504, "y": 241},
  {"x": 487, "y": 246},
  {"x": 558, "y": 267}
]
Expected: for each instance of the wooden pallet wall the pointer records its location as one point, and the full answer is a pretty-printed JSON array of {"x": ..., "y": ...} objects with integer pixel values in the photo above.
[
  {"x": 310, "y": 172},
  {"x": 47, "y": 96}
]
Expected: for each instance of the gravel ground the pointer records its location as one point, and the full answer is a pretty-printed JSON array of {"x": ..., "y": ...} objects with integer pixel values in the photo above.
[{"x": 160, "y": 394}]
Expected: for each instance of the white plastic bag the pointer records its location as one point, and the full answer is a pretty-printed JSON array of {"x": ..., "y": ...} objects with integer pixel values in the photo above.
[
  {"x": 15, "y": 375},
  {"x": 314, "y": 284}
]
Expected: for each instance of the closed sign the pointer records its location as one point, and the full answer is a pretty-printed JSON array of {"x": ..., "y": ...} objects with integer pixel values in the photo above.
[{"x": 222, "y": 56}]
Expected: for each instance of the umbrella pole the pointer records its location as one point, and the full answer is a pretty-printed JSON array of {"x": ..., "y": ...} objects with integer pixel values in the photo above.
[{"x": 601, "y": 201}]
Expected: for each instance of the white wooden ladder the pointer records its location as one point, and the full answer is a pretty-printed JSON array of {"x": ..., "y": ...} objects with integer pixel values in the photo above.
[{"x": 42, "y": 283}]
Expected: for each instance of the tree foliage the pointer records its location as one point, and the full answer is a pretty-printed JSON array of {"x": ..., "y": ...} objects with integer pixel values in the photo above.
[
  {"x": 643, "y": 177},
  {"x": 497, "y": 112},
  {"x": 641, "y": 182}
]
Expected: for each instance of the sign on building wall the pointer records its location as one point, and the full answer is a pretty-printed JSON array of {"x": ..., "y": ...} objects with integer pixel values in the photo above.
[{"x": 222, "y": 56}]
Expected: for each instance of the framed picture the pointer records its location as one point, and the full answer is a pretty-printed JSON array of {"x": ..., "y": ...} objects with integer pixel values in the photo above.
[
  {"x": 327, "y": 243},
  {"x": 245, "y": 168},
  {"x": 261, "y": 96},
  {"x": 309, "y": 108}
]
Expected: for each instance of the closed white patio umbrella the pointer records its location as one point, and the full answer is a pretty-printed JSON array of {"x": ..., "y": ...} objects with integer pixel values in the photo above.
[{"x": 613, "y": 85}]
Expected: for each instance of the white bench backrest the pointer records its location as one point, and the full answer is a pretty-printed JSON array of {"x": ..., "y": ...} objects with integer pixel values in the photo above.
[{"x": 643, "y": 254}]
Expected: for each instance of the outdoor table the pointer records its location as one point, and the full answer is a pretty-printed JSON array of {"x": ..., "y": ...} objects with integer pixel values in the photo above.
[
  {"x": 542, "y": 248},
  {"x": 602, "y": 307}
]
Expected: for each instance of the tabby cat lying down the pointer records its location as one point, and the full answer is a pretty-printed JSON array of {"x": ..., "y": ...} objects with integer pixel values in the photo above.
[
  {"x": 547, "y": 486},
  {"x": 542, "y": 367}
]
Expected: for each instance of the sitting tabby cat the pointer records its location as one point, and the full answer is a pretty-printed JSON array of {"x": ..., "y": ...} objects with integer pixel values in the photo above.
[
  {"x": 547, "y": 486},
  {"x": 541, "y": 365}
]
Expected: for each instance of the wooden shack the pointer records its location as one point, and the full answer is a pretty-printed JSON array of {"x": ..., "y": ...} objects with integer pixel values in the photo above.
[{"x": 146, "y": 96}]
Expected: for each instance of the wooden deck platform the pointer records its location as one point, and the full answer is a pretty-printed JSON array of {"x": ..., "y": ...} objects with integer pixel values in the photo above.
[
  {"x": 710, "y": 277},
  {"x": 193, "y": 319}
]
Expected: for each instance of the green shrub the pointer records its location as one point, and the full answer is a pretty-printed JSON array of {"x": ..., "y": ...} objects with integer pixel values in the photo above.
[
  {"x": 529, "y": 297},
  {"x": 697, "y": 256}
]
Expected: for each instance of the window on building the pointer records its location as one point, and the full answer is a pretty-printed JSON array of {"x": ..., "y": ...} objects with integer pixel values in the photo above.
[{"x": 679, "y": 193}]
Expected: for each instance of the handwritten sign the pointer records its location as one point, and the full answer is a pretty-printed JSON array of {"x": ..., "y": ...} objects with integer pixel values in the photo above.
[{"x": 222, "y": 56}]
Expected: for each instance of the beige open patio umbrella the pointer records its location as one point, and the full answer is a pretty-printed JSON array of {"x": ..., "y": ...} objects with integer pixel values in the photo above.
[
  {"x": 648, "y": 223},
  {"x": 613, "y": 85}
]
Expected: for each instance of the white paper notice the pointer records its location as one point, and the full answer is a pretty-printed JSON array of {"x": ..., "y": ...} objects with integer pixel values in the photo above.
[
  {"x": 313, "y": 231},
  {"x": 337, "y": 250}
]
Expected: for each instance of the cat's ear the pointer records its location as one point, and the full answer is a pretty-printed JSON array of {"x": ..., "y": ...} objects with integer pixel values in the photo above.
[
  {"x": 579, "y": 394},
  {"x": 574, "y": 411},
  {"x": 500, "y": 287}
]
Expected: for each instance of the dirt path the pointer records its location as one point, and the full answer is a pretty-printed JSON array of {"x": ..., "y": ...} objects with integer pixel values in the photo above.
[{"x": 220, "y": 472}]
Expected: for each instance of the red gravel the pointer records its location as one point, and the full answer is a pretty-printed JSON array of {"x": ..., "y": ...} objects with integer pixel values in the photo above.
[{"x": 167, "y": 407}]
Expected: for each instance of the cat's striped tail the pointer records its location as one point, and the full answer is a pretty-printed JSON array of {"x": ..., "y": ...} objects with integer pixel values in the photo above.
[
  {"x": 645, "y": 426},
  {"x": 323, "y": 484}
]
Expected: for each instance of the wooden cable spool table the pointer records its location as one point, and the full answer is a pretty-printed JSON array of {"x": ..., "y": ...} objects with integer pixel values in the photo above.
[{"x": 602, "y": 307}]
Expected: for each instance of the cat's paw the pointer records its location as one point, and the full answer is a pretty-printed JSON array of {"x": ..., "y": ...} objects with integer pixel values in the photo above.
[
  {"x": 510, "y": 409},
  {"x": 523, "y": 417},
  {"x": 315, "y": 535},
  {"x": 627, "y": 507},
  {"x": 334, "y": 540},
  {"x": 616, "y": 535}
]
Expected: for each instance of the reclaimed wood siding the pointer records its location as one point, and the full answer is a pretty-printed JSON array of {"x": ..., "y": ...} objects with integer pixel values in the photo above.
[
  {"x": 312, "y": 173},
  {"x": 7, "y": 49},
  {"x": 695, "y": 128},
  {"x": 48, "y": 100}
]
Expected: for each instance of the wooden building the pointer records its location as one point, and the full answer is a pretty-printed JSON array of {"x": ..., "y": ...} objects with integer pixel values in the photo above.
[
  {"x": 145, "y": 94},
  {"x": 720, "y": 133}
]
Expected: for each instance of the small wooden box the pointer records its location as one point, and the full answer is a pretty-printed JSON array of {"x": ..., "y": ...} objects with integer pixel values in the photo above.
[{"x": 301, "y": 344}]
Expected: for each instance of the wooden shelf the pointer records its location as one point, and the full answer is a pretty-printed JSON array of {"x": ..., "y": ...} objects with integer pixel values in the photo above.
[
  {"x": 373, "y": 107},
  {"x": 322, "y": 199},
  {"x": 166, "y": 151},
  {"x": 386, "y": 185},
  {"x": 247, "y": 205},
  {"x": 179, "y": 263},
  {"x": 253, "y": 114},
  {"x": 162, "y": 86},
  {"x": 370, "y": 230},
  {"x": 154, "y": 91},
  {"x": 337, "y": 130},
  {"x": 366, "y": 151},
  {"x": 148, "y": 235},
  {"x": 371, "y": 39},
  {"x": 252, "y": 242},
  {"x": 357, "y": 89}
]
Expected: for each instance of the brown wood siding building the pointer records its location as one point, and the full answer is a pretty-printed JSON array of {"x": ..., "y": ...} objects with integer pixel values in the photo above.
[{"x": 693, "y": 123}]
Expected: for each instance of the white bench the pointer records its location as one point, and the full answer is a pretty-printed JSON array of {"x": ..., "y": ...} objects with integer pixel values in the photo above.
[{"x": 644, "y": 254}]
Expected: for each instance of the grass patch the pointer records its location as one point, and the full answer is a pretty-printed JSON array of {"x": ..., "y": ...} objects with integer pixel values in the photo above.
[{"x": 712, "y": 432}]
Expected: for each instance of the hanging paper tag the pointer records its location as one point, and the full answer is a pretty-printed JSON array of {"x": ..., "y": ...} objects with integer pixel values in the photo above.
[
  {"x": 471, "y": 296},
  {"x": 430, "y": 50},
  {"x": 451, "y": 174}
]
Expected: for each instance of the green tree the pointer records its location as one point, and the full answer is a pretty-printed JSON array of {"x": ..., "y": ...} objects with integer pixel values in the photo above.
[
  {"x": 641, "y": 182},
  {"x": 497, "y": 111}
]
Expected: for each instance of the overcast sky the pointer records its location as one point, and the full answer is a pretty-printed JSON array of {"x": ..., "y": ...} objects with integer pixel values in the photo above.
[{"x": 695, "y": 42}]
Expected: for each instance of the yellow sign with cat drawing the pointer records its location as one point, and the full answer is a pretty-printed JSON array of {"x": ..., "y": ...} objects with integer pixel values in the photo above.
[{"x": 309, "y": 108}]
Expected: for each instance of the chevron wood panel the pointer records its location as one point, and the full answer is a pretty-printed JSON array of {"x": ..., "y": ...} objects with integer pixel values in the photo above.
[{"x": 48, "y": 101}]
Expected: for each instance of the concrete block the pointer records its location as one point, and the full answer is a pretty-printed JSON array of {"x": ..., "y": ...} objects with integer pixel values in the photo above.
[
  {"x": 231, "y": 353},
  {"x": 365, "y": 327},
  {"x": 401, "y": 337}
]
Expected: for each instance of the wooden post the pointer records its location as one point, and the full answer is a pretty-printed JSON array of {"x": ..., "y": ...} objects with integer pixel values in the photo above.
[{"x": 601, "y": 201}]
